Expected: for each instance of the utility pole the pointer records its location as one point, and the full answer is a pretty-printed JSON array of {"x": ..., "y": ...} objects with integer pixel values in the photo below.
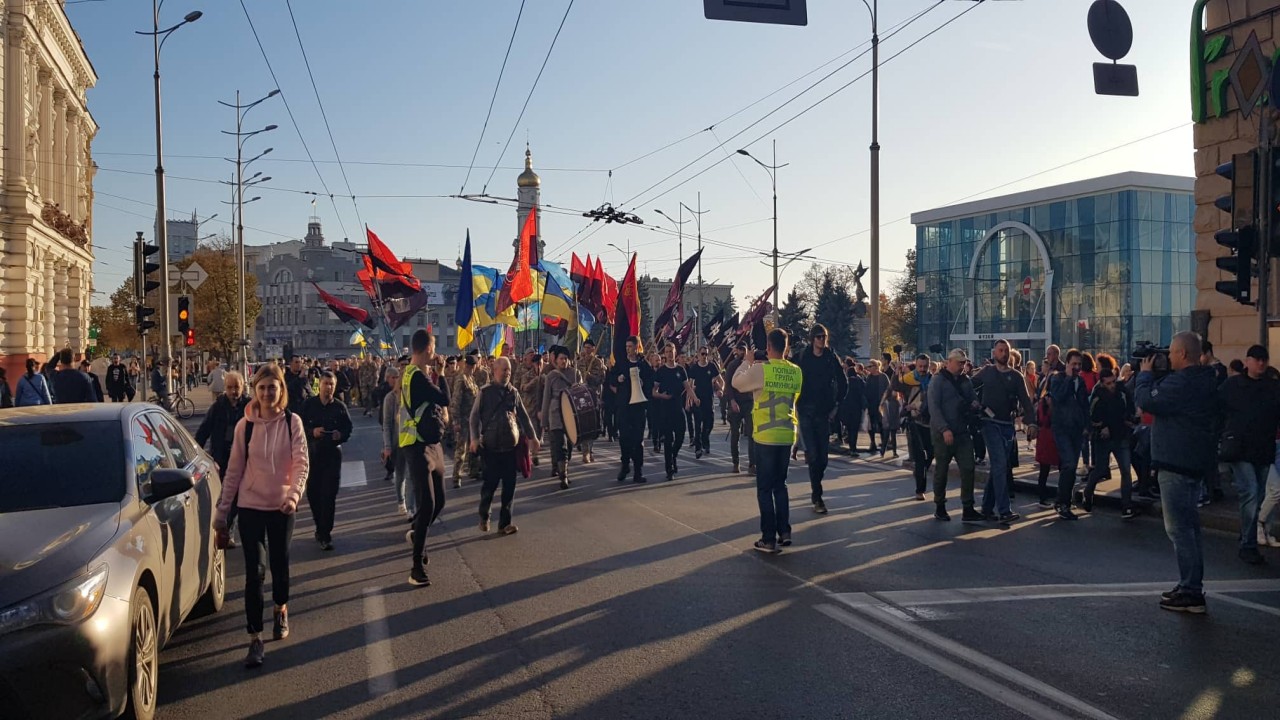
[
  {"x": 773, "y": 178},
  {"x": 875, "y": 180}
]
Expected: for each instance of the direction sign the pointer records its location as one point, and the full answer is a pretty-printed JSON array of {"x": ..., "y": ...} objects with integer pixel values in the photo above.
[{"x": 194, "y": 276}]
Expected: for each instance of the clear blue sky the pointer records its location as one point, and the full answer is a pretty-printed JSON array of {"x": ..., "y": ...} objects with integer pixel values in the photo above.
[{"x": 1000, "y": 94}]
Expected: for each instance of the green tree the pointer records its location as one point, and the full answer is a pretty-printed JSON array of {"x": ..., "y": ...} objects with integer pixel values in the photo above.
[
  {"x": 834, "y": 309},
  {"x": 900, "y": 318},
  {"x": 216, "y": 304},
  {"x": 794, "y": 315},
  {"x": 117, "y": 331}
]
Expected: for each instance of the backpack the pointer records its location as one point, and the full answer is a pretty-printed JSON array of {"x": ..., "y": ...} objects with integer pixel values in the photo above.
[
  {"x": 248, "y": 432},
  {"x": 499, "y": 429}
]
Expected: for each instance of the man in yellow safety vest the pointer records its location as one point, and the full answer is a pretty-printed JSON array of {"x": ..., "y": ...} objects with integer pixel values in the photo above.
[{"x": 775, "y": 386}]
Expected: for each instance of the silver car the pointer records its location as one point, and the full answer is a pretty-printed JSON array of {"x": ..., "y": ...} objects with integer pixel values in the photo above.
[{"x": 106, "y": 546}]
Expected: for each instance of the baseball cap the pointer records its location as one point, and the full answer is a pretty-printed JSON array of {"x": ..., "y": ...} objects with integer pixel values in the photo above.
[
  {"x": 471, "y": 360},
  {"x": 1258, "y": 352}
]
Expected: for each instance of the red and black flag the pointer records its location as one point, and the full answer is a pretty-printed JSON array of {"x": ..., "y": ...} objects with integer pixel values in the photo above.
[
  {"x": 345, "y": 311},
  {"x": 673, "y": 311},
  {"x": 626, "y": 312}
]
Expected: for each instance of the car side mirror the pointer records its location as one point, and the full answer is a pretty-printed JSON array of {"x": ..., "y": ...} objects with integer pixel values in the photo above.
[{"x": 168, "y": 482}]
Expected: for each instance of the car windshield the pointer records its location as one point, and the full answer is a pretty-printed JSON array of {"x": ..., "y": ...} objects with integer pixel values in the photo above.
[{"x": 61, "y": 465}]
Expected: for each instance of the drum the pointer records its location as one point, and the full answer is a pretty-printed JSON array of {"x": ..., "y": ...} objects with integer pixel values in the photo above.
[{"x": 580, "y": 409}]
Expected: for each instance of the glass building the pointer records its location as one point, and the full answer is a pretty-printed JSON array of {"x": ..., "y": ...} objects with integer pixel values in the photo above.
[{"x": 1098, "y": 264}]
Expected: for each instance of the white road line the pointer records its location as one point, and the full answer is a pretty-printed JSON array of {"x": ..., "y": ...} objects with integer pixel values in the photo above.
[
  {"x": 353, "y": 474},
  {"x": 959, "y": 596},
  {"x": 986, "y": 662},
  {"x": 961, "y": 674},
  {"x": 1246, "y": 603},
  {"x": 377, "y": 644}
]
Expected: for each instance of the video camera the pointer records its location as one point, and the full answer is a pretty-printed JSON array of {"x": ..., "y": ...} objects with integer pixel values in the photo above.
[{"x": 1146, "y": 349}]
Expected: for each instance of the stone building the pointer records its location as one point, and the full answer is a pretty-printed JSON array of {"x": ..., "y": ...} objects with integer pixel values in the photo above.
[
  {"x": 46, "y": 217},
  {"x": 1233, "y": 43}
]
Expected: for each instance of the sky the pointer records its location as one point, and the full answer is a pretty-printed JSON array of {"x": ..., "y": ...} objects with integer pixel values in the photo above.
[{"x": 640, "y": 104}]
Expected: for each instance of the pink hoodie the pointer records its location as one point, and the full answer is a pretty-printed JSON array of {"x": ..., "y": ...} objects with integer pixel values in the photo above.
[{"x": 277, "y": 469}]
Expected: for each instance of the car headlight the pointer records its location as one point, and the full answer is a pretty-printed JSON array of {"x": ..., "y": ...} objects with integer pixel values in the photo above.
[{"x": 66, "y": 604}]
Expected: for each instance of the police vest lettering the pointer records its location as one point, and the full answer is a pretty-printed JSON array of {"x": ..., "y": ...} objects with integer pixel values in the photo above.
[{"x": 773, "y": 419}]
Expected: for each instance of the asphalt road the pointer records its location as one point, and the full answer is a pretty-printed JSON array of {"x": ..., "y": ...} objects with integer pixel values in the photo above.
[{"x": 646, "y": 601}]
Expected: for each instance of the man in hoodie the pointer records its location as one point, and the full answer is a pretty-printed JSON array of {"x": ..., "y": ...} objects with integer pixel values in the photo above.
[
  {"x": 952, "y": 403},
  {"x": 1069, "y": 396},
  {"x": 824, "y": 388},
  {"x": 555, "y": 383},
  {"x": 424, "y": 404},
  {"x": 1251, "y": 413},
  {"x": 1184, "y": 447},
  {"x": 328, "y": 425}
]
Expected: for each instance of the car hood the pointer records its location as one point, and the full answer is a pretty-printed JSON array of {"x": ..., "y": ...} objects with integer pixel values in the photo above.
[{"x": 41, "y": 548}]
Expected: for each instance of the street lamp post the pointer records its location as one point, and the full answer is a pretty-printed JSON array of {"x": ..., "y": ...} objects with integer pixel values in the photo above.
[
  {"x": 874, "y": 9},
  {"x": 158, "y": 37},
  {"x": 773, "y": 177},
  {"x": 240, "y": 183}
]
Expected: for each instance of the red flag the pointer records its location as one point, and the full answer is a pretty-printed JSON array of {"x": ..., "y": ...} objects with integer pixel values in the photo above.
[
  {"x": 383, "y": 258},
  {"x": 345, "y": 311},
  {"x": 608, "y": 291},
  {"x": 578, "y": 271},
  {"x": 519, "y": 282},
  {"x": 626, "y": 312}
]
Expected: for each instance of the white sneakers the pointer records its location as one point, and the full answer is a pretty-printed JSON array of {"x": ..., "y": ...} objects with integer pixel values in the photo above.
[{"x": 1265, "y": 539}]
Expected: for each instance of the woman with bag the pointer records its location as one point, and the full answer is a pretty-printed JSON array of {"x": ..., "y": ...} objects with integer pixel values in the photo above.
[
  {"x": 33, "y": 388},
  {"x": 499, "y": 422},
  {"x": 266, "y": 475}
]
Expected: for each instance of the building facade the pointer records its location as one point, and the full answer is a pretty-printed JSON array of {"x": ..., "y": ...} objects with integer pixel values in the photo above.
[
  {"x": 1098, "y": 264},
  {"x": 184, "y": 237},
  {"x": 46, "y": 215},
  {"x": 707, "y": 296}
]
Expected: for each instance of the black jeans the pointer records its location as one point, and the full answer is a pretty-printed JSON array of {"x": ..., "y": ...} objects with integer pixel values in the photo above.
[
  {"x": 322, "y": 490},
  {"x": 561, "y": 450},
  {"x": 874, "y": 423},
  {"x": 704, "y": 419},
  {"x": 740, "y": 426},
  {"x": 273, "y": 529},
  {"x": 920, "y": 448},
  {"x": 673, "y": 428},
  {"x": 772, "y": 462},
  {"x": 815, "y": 432},
  {"x": 426, "y": 470},
  {"x": 851, "y": 419},
  {"x": 499, "y": 467},
  {"x": 631, "y": 419}
]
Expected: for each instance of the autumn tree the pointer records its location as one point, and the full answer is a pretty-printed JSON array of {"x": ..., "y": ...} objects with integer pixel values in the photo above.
[
  {"x": 116, "y": 323},
  {"x": 216, "y": 303},
  {"x": 898, "y": 315}
]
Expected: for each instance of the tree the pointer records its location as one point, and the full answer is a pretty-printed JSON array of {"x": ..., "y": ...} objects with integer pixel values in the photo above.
[
  {"x": 117, "y": 329},
  {"x": 216, "y": 304},
  {"x": 834, "y": 309},
  {"x": 890, "y": 326},
  {"x": 727, "y": 304},
  {"x": 810, "y": 286},
  {"x": 900, "y": 317},
  {"x": 794, "y": 315}
]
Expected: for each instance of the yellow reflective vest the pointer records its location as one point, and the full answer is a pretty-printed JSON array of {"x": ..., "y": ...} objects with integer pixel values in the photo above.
[
  {"x": 409, "y": 417},
  {"x": 773, "y": 418}
]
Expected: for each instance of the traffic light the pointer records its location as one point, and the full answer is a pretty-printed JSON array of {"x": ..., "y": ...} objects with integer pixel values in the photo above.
[
  {"x": 141, "y": 314},
  {"x": 190, "y": 337},
  {"x": 1242, "y": 237},
  {"x": 184, "y": 315}
]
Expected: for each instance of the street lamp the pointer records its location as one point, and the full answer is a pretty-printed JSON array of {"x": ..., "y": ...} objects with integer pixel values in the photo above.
[
  {"x": 773, "y": 178},
  {"x": 241, "y": 135},
  {"x": 625, "y": 253},
  {"x": 874, "y": 9},
  {"x": 158, "y": 37}
]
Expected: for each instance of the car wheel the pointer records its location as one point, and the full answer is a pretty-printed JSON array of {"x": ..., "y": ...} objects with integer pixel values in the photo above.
[
  {"x": 214, "y": 597},
  {"x": 144, "y": 659}
]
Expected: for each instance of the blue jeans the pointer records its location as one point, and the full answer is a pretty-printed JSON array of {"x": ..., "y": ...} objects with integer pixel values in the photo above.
[
  {"x": 815, "y": 431},
  {"x": 1251, "y": 484},
  {"x": 999, "y": 438},
  {"x": 771, "y": 490},
  {"x": 1069, "y": 442},
  {"x": 1178, "y": 496},
  {"x": 1102, "y": 452}
]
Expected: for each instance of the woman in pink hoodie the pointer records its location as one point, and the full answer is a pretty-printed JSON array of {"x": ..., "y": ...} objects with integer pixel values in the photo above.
[{"x": 266, "y": 476}]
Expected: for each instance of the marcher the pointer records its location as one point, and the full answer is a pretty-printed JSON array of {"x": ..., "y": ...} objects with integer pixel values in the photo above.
[
  {"x": 877, "y": 384},
  {"x": 32, "y": 387},
  {"x": 705, "y": 376},
  {"x": 530, "y": 386},
  {"x": 632, "y": 381},
  {"x": 740, "y": 404},
  {"x": 1251, "y": 414},
  {"x": 498, "y": 422},
  {"x": 556, "y": 382},
  {"x": 423, "y": 406},
  {"x": 328, "y": 425},
  {"x": 395, "y": 460},
  {"x": 1184, "y": 447},
  {"x": 952, "y": 406},
  {"x": 775, "y": 385},
  {"x": 94, "y": 381},
  {"x": 914, "y": 387},
  {"x": 71, "y": 384},
  {"x": 891, "y": 415},
  {"x": 297, "y": 380},
  {"x": 854, "y": 406},
  {"x": 266, "y": 475},
  {"x": 593, "y": 373},
  {"x": 1002, "y": 394},
  {"x": 670, "y": 398},
  {"x": 462, "y": 395},
  {"x": 117, "y": 378},
  {"x": 824, "y": 388},
  {"x": 217, "y": 430},
  {"x": 1070, "y": 410},
  {"x": 217, "y": 380}
]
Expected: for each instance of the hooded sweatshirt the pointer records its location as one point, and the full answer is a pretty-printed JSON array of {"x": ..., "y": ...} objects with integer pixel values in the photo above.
[{"x": 277, "y": 466}]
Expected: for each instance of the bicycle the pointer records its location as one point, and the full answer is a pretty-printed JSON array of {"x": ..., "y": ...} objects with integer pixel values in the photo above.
[{"x": 182, "y": 406}]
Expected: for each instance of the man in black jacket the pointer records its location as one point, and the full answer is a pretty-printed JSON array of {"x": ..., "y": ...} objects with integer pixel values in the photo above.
[
  {"x": 854, "y": 405},
  {"x": 1184, "y": 447},
  {"x": 1111, "y": 417},
  {"x": 1070, "y": 414},
  {"x": 70, "y": 384},
  {"x": 824, "y": 387},
  {"x": 1002, "y": 392},
  {"x": 424, "y": 403},
  {"x": 740, "y": 405},
  {"x": 117, "y": 379},
  {"x": 952, "y": 403},
  {"x": 1251, "y": 412},
  {"x": 297, "y": 384},
  {"x": 328, "y": 425},
  {"x": 632, "y": 380}
]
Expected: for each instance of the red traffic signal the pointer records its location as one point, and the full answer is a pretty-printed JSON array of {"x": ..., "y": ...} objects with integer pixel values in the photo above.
[{"x": 191, "y": 337}]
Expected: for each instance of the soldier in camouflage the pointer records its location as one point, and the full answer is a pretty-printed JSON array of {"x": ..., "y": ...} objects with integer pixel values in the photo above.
[
  {"x": 462, "y": 393},
  {"x": 593, "y": 371}
]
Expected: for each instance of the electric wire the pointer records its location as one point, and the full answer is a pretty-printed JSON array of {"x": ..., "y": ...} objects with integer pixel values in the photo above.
[{"x": 493, "y": 99}]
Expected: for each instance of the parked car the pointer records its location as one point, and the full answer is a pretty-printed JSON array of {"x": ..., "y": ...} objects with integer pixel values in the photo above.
[{"x": 106, "y": 546}]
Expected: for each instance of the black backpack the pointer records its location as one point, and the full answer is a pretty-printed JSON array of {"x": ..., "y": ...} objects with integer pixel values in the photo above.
[{"x": 499, "y": 429}]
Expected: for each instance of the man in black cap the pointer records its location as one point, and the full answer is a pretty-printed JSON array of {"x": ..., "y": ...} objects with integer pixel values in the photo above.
[{"x": 1251, "y": 414}]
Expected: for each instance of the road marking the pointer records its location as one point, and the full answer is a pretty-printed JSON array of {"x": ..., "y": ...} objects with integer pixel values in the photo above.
[
  {"x": 909, "y": 599},
  {"x": 377, "y": 644},
  {"x": 353, "y": 474},
  {"x": 965, "y": 676},
  {"x": 1245, "y": 603}
]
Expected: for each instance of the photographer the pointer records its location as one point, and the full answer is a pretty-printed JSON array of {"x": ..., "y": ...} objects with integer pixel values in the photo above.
[
  {"x": 1070, "y": 411},
  {"x": 952, "y": 410},
  {"x": 1185, "y": 406}
]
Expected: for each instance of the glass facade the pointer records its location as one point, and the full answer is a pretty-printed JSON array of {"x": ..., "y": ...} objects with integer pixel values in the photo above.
[{"x": 1120, "y": 269}]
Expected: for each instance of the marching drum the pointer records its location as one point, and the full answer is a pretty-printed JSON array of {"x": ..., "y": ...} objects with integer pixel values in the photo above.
[{"x": 580, "y": 409}]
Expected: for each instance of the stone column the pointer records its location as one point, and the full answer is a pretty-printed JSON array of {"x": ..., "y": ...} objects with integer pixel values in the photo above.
[
  {"x": 77, "y": 307},
  {"x": 58, "y": 151},
  {"x": 61, "y": 303},
  {"x": 71, "y": 160},
  {"x": 15, "y": 116},
  {"x": 44, "y": 169}
]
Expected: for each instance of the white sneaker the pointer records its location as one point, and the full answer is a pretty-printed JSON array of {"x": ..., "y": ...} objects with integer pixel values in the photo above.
[
  {"x": 1265, "y": 539},
  {"x": 403, "y": 510}
]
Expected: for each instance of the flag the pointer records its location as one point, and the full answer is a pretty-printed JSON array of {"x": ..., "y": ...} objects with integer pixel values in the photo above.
[
  {"x": 345, "y": 311},
  {"x": 464, "y": 306},
  {"x": 578, "y": 269},
  {"x": 713, "y": 326},
  {"x": 383, "y": 258},
  {"x": 681, "y": 336},
  {"x": 759, "y": 338},
  {"x": 673, "y": 311},
  {"x": 400, "y": 310},
  {"x": 626, "y": 312},
  {"x": 519, "y": 284},
  {"x": 608, "y": 293},
  {"x": 726, "y": 332},
  {"x": 759, "y": 308}
]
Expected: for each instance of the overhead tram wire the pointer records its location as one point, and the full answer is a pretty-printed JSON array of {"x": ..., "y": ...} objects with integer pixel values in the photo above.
[
  {"x": 902, "y": 26},
  {"x": 387, "y": 163},
  {"x": 516, "y": 125},
  {"x": 323, "y": 115},
  {"x": 789, "y": 120},
  {"x": 493, "y": 99},
  {"x": 284, "y": 97}
]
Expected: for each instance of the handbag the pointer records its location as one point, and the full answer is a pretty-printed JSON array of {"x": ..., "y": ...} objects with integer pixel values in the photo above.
[{"x": 1230, "y": 447}]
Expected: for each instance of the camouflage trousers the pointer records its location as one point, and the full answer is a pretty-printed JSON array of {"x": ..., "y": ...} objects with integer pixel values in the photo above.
[{"x": 464, "y": 463}]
